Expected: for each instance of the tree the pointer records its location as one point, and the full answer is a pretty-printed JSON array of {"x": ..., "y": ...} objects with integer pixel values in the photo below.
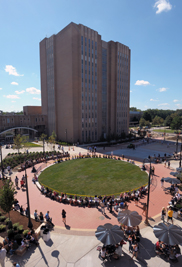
[
  {"x": 157, "y": 120},
  {"x": 7, "y": 196},
  {"x": 176, "y": 123},
  {"x": 19, "y": 141},
  {"x": 42, "y": 138},
  {"x": 142, "y": 122},
  {"x": 168, "y": 121},
  {"x": 146, "y": 115},
  {"x": 52, "y": 138}
]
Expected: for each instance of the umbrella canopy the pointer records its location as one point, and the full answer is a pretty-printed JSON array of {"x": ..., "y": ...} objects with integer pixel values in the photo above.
[
  {"x": 172, "y": 180},
  {"x": 129, "y": 218},
  {"x": 169, "y": 234},
  {"x": 176, "y": 174},
  {"x": 109, "y": 234},
  {"x": 179, "y": 169}
]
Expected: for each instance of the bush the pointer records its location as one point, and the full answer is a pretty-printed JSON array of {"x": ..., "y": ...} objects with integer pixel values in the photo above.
[
  {"x": 25, "y": 232},
  {"x": 20, "y": 229},
  {"x": 2, "y": 228},
  {"x": 7, "y": 221},
  {"x": 15, "y": 226},
  {"x": 11, "y": 234},
  {"x": 10, "y": 225},
  {"x": 2, "y": 218}
]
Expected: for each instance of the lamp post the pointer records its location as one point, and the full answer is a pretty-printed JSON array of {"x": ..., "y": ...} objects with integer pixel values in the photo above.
[
  {"x": 148, "y": 195},
  {"x": 30, "y": 225}
]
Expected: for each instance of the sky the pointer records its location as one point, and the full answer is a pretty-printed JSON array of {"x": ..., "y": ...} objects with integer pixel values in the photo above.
[{"x": 150, "y": 28}]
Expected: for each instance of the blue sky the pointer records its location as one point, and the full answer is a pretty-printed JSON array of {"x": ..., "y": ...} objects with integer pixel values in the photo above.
[{"x": 151, "y": 29}]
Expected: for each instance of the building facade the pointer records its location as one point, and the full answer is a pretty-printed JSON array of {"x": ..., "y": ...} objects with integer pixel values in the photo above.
[
  {"x": 31, "y": 123},
  {"x": 85, "y": 85}
]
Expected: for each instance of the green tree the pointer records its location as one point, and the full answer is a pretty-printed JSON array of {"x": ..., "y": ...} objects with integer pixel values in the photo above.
[
  {"x": 146, "y": 115},
  {"x": 157, "y": 120},
  {"x": 176, "y": 123},
  {"x": 19, "y": 141},
  {"x": 7, "y": 196},
  {"x": 142, "y": 122},
  {"x": 52, "y": 138},
  {"x": 168, "y": 120},
  {"x": 42, "y": 138}
]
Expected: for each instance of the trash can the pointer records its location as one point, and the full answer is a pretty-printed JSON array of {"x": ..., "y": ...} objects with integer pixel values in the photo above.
[
  {"x": 43, "y": 227},
  {"x": 46, "y": 235}
]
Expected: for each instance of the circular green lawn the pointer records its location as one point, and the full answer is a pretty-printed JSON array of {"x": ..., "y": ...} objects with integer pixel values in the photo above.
[{"x": 93, "y": 176}]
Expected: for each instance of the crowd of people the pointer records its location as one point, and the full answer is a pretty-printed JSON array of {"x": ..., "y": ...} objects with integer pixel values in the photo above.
[{"x": 170, "y": 252}]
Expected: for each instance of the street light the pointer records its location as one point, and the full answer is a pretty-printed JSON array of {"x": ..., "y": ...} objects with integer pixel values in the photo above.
[
  {"x": 148, "y": 195},
  {"x": 177, "y": 144},
  {"x": 30, "y": 225}
]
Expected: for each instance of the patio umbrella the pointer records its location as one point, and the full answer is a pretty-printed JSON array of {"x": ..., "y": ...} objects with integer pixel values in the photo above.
[
  {"x": 129, "y": 218},
  {"x": 172, "y": 180},
  {"x": 169, "y": 234},
  {"x": 179, "y": 169},
  {"x": 109, "y": 234},
  {"x": 174, "y": 173}
]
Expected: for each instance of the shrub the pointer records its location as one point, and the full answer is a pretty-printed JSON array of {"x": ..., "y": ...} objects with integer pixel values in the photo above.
[
  {"x": 20, "y": 229},
  {"x": 10, "y": 225},
  {"x": 11, "y": 234},
  {"x": 7, "y": 221},
  {"x": 25, "y": 232},
  {"x": 2, "y": 218},
  {"x": 15, "y": 226},
  {"x": 2, "y": 228}
]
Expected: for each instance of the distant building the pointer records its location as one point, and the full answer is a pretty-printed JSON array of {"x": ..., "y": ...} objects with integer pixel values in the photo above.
[
  {"x": 135, "y": 117},
  {"x": 85, "y": 85},
  {"x": 31, "y": 123}
]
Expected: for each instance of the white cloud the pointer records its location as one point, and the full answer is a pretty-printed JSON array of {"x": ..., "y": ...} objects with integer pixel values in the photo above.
[
  {"x": 163, "y": 89},
  {"x": 1, "y": 88},
  {"x": 142, "y": 82},
  {"x": 178, "y": 105},
  {"x": 36, "y": 98},
  {"x": 14, "y": 83},
  {"x": 33, "y": 91},
  {"x": 154, "y": 99},
  {"x": 130, "y": 91},
  {"x": 164, "y": 104},
  {"x": 19, "y": 92},
  {"x": 175, "y": 100},
  {"x": 162, "y": 5},
  {"x": 11, "y": 96},
  {"x": 13, "y": 101},
  {"x": 12, "y": 71}
]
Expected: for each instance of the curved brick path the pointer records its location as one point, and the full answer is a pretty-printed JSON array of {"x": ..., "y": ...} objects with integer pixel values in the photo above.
[{"x": 90, "y": 218}]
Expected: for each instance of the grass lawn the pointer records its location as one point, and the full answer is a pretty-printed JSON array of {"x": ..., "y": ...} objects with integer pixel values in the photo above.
[
  {"x": 163, "y": 131},
  {"x": 29, "y": 144},
  {"x": 93, "y": 176}
]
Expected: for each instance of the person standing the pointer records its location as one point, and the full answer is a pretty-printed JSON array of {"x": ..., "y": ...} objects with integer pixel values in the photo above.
[
  {"x": 64, "y": 216},
  {"x": 2, "y": 255},
  {"x": 163, "y": 214},
  {"x": 102, "y": 207},
  {"x": 170, "y": 215},
  {"x": 169, "y": 164},
  {"x": 16, "y": 264}
]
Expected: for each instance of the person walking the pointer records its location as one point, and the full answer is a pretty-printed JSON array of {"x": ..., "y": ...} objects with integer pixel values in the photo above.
[
  {"x": 162, "y": 182},
  {"x": 135, "y": 250},
  {"x": 169, "y": 164},
  {"x": 64, "y": 216},
  {"x": 2, "y": 255},
  {"x": 163, "y": 214}
]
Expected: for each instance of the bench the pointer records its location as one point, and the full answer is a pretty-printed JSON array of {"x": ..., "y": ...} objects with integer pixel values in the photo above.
[{"x": 20, "y": 251}]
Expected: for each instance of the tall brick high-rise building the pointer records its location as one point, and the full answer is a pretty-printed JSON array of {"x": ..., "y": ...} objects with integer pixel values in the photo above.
[{"x": 85, "y": 84}]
